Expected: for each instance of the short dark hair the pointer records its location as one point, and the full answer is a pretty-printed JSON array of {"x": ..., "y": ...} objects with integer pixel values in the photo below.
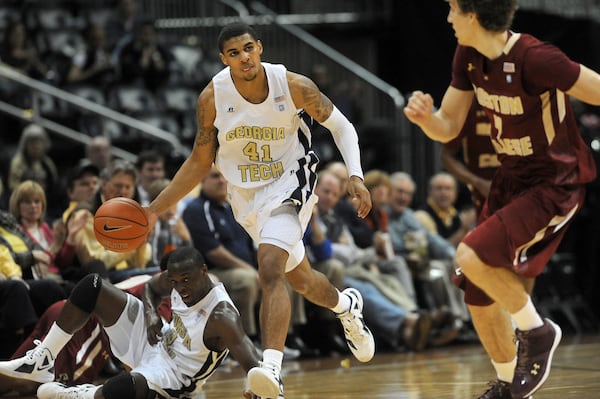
[
  {"x": 493, "y": 15},
  {"x": 188, "y": 255},
  {"x": 235, "y": 29}
]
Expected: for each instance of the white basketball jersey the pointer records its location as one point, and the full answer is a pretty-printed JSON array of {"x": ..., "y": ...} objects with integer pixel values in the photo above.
[
  {"x": 183, "y": 337},
  {"x": 258, "y": 143}
]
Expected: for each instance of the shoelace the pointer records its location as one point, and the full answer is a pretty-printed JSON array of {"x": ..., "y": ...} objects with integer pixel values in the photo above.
[
  {"x": 350, "y": 318},
  {"x": 522, "y": 349},
  {"x": 31, "y": 354}
]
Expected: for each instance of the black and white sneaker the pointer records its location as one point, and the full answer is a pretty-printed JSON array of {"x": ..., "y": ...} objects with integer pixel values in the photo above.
[
  {"x": 37, "y": 365},
  {"x": 358, "y": 336}
]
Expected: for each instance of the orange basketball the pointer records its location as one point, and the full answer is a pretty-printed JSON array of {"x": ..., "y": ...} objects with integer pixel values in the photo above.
[{"x": 120, "y": 224}]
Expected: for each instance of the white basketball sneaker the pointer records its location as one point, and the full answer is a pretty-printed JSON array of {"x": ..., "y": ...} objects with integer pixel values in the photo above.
[
  {"x": 264, "y": 382},
  {"x": 358, "y": 336},
  {"x": 37, "y": 365},
  {"x": 56, "y": 390}
]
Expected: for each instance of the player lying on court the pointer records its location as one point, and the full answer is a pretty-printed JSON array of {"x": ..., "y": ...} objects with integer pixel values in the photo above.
[{"x": 167, "y": 360}]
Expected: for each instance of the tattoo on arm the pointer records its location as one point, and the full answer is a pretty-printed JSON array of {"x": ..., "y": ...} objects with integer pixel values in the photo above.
[
  {"x": 206, "y": 136},
  {"x": 317, "y": 102}
]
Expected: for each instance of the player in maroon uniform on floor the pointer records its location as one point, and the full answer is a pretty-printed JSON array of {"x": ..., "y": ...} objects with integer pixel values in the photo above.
[{"x": 523, "y": 84}]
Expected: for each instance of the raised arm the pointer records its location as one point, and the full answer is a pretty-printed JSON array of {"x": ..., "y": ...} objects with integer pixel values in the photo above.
[
  {"x": 444, "y": 124},
  {"x": 307, "y": 96},
  {"x": 200, "y": 161}
]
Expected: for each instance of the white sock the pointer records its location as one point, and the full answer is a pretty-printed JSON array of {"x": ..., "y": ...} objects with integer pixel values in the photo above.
[
  {"x": 273, "y": 359},
  {"x": 505, "y": 371},
  {"x": 343, "y": 304},
  {"x": 55, "y": 340},
  {"x": 527, "y": 318}
]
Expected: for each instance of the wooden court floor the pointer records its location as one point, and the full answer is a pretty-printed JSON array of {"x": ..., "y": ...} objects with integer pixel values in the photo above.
[{"x": 456, "y": 372}]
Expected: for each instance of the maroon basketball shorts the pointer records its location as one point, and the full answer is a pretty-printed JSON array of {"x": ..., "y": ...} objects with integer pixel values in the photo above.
[{"x": 521, "y": 231}]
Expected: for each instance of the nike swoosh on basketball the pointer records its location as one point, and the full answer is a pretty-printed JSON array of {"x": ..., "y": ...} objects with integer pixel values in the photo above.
[{"x": 106, "y": 227}]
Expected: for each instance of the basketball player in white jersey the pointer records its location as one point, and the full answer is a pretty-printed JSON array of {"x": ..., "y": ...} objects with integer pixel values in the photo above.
[
  {"x": 167, "y": 360},
  {"x": 253, "y": 125}
]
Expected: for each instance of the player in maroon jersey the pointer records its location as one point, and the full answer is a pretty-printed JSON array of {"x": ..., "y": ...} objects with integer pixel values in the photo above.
[
  {"x": 522, "y": 84},
  {"x": 471, "y": 157}
]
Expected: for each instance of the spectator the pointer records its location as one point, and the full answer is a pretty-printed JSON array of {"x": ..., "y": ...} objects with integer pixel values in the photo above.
[
  {"x": 429, "y": 255},
  {"x": 150, "y": 167},
  {"x": 26, "y": 253},
  {"x": 119, "y": 28},
  {"x": 440, "y": 216},
  {"x": 82, "y": 185},
  {"x": 99, "y": 152},
  {"x": 19, "y": 52},
  {"x": 32, "y": 161},
  {"x": 28, "y": 205},
  {"x": 92, "y": 64},
  {"x": 117, "y": 180},
  {"x": 144, "y": 59}
]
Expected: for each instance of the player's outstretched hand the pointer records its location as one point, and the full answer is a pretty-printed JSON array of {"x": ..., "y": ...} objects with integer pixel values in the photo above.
[
  {"x": 419, "y": 107},
  {"x": 360, "y": 195}
]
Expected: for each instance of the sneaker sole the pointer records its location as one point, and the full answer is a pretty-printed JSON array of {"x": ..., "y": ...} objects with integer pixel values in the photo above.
[
  {"x": 557, "y": 339},
  {"x": 261, "y": 385},
  {"x": 27, "y": 377}
]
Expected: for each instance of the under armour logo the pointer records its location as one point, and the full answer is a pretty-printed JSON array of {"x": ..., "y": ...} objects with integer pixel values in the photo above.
[{"x": 535, "y": 369}]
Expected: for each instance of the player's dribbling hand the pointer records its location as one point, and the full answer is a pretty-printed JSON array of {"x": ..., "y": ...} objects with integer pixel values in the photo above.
[
  {"x": 152, "y": 218},
  {"x": 419, "y": 107},
  {"x": 361, "y": 197}
]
